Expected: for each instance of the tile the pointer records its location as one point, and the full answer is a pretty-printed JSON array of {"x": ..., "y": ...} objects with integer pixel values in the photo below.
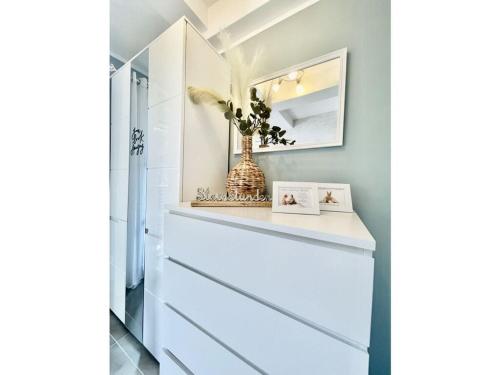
[
  {"x": 116, "y": 328},
  {"x": 119, "y": 363},
  {"x": 139, "y": 356}
]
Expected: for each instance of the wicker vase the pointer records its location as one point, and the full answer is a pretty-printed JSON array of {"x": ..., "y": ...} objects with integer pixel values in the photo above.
[{"x": 246, "y": 177}]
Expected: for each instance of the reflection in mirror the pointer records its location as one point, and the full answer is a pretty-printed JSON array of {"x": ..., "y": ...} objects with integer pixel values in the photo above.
[
  {"x": 307, "y": 101},
  {"x": 136, "y": 216}
]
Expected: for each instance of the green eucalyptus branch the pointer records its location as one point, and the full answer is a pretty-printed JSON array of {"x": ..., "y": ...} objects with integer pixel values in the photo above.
[{"x": 256, "y": 121}]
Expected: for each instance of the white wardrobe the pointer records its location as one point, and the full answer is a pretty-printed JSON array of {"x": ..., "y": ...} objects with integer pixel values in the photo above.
[{"x": 186, "y": 148}]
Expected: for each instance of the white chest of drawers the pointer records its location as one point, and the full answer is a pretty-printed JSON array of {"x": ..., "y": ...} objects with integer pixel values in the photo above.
[{"x": 247, "y": 291}]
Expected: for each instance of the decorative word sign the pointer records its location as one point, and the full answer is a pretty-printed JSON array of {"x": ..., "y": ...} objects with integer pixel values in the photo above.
[
  {"x": 137, "y": 142},
  {"x": 206, "y": 199}
]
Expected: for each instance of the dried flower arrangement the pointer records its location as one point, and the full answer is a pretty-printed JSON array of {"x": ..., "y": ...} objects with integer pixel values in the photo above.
[
  {"x": 244, "y": 109},
  {"x": 248, "y": 113},
  {"x": 255, "y": 122}
]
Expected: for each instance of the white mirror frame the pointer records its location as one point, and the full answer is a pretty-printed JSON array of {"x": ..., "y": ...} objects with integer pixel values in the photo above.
[{"x": 342, "y": 54}]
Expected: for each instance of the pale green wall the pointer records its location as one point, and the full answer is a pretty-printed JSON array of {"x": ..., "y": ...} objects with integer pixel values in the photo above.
[{"x": 363, "y": 26}]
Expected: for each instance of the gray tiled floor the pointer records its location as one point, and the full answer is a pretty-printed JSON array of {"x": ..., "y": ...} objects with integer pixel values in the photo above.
[{"x": 127, "y": 355}]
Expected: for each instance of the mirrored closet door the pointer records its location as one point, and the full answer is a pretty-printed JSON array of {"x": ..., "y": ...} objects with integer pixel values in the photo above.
[
  {"x": 129, "y": 119},
  {"x": 162, "y": 150}
]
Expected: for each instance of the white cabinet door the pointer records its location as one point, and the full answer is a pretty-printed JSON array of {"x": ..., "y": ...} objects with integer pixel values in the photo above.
[
  {"x": 153, "y": 264},
  {"x": 162, "y": 188},
  {"x": 120, "y": 118},
  {"x": 152, "y": 326},
  {"x": 166, "y": 64},
  {"x": 164, "y": 134}
]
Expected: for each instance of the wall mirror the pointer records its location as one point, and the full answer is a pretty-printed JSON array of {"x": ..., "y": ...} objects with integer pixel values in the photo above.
[{"x": 307, "y": 101}]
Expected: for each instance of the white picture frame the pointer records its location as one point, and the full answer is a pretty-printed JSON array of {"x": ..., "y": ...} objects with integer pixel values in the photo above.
[
  {"x": 334, "y": 197},
  {"x": 295, "y": 197}
]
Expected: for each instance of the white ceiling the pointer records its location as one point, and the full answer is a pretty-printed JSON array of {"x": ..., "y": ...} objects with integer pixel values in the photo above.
[
  {"x": 133, "y": 25},
  {"x": 136, "y": 23}
]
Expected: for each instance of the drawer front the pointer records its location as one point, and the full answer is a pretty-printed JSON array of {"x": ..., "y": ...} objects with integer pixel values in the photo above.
[
  {"x": 164, "y": 134},
  {"x": 198, "y": 351},
  {"x": 162, "y": 187},
  {"x": 268, "y": 339},
  {"x": 331, "y": 288},
  {"x": 152, "y": 327},
  {"x": 170, "y": 366},
  {"x": 153, "y": 260}
]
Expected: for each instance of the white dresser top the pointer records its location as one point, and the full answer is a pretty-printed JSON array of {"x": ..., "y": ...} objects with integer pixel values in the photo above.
[{"x": 336, "y": 227}]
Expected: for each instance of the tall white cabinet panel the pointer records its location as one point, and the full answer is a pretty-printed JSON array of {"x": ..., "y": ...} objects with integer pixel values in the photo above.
[
  {"x": 187, "y": 146},
  {"x": 206, "y": 134},
  {"x": 153, "y": 264},
  {"x": 162, "y": 188},
  {"x": 153, "y": 329},
  {"x": 166, "y": 64},
  {"x": 164, "y": 133}
]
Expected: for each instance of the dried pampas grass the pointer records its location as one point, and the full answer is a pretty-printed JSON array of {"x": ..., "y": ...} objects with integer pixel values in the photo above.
[
  {"x": 267, "y": 93},
  {"x": 207, "y": 96},
  {"x": 242, "y": 72}
]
